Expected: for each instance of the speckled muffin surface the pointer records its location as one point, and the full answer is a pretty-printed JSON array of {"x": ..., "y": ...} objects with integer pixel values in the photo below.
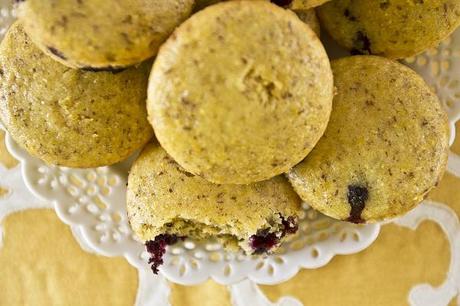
[
  {"x": 101, "y": 34},
  {"x": 164, "y": 199},
  {"x": 385, "y": 147},
  {"x": 305, "y": 12},
  {"x": 394, "y": 29},
  {"x": 303, "y": 9},
  {"x": 299, "y": 4},
  {"x": 241, "y": 114},
  {"x": 291, "y": 4},
  {"x": 69, "y": 117}
]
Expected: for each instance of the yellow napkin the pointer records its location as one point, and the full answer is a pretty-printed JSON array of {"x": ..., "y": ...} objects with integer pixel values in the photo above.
[{"x": 41, "y": 264}]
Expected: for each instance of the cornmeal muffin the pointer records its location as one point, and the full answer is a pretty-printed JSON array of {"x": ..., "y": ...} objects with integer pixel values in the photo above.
[
  {"x": 69, "y": 117},
  {"x": 302, "y": 8},
  {"x": 385, "y": 147},
  {"x": 166, "y": 203},
  {"x": 299, "y": 4},
  {"x": 100, "y": 34},
  {"x": 240, "y": 114},
  {"x": 292, "y": 4},
  {"x": 394, "y": 29}
]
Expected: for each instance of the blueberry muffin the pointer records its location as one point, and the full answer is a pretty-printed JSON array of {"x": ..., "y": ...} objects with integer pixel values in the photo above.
[
  {"x": 242, "y": 114},
  {"x": 394, "y": 29},
  {"x": 385, "y": 147},
  {"x": 165, "y": 203},
  {"x": 70, "y": 117},
  {"x": 100, "y": 34}
]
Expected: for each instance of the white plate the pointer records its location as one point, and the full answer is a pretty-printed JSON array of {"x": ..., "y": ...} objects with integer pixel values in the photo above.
[{"x": 93, "y": 200}]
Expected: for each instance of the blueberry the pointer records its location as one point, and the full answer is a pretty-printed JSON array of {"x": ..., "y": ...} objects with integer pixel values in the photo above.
[
  {"x": 362, "y": 44},
  {"x": 157, "y": 248},
  {"x": 357, "y": 197},
  {"x": 290, "y": 225},
  {"x": 282, "y": 3},
  {"x": 263, "y": 241}
]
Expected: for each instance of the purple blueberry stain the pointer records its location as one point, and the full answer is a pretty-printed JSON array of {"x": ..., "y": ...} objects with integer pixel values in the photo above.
[
  {"x": 357, "y": 197},
  {"x": 282, "y": 3},
  {"x": 264, "y": 240},
  {"x": 290, "y": 225},
  {"x": 157, "y": 249}
]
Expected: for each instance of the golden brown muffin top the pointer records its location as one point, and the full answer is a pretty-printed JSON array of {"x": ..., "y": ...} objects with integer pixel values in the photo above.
[
  {"x": 241, "y": 92},
  {"x": 385, "y": 146},
  {"x": 70, "y": 117}
]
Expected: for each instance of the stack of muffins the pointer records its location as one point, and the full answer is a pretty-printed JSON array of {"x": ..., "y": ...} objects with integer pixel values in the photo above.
[{"x": 249, "y": 115}]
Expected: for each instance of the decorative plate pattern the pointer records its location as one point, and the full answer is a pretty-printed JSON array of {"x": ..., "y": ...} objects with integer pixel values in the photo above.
[
  {"x": 93, "y": 200},
  {"x": 440, "y": 67}
]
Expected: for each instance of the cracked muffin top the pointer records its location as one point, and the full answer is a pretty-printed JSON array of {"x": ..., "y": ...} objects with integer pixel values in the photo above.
[
  {"x": 394, "y": 29},
  {"x": 385, "y": 147},
  {"x": 70, "y": 117},
  {"x": 100, "y": 34},
  {"x": 240, "y": 114}
]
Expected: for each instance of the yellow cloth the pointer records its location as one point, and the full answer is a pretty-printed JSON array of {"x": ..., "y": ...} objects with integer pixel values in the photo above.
[{"x": 41, "y": 264}]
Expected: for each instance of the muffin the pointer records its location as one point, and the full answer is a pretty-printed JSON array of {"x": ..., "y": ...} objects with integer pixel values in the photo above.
[
  {"x": 242, "y": 114},
  {"x": 69, "y": 117},
  {"x": 165, "y": 203},
  {"x": 394, "y": 29},
  {"x": 385, "y": 146},
  {"x": 201, "y": 4},
  {"x": 292, "y": 4},
  {"x": 299, "y": 4},
  {"x": 303, "y": 10},
  {"x": 101, "y": 35}
]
